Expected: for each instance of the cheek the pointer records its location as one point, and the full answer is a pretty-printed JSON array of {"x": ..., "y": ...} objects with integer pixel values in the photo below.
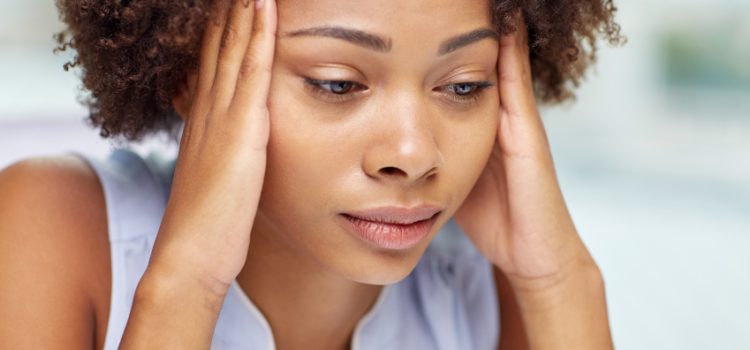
[
  {"x": 304, "y": 152},
  {"x": 309, "y": 137},
  {"x": 484, "y": 134},
  {"x": 470, "y": 147}
]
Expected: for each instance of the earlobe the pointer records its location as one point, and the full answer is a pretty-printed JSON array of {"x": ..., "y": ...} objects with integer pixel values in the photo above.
[{"x": 183, "y": 97}]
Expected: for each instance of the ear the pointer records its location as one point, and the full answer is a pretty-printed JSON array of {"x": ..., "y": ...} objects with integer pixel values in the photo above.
[{"x": 183, "y": 97}]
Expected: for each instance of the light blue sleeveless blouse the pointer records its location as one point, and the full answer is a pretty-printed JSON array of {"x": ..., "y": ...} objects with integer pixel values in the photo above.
[{"x": 448, "y": 302}]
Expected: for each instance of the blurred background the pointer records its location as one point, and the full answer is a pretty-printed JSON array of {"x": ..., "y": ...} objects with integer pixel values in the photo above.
[{"x": 654, "y": 159}]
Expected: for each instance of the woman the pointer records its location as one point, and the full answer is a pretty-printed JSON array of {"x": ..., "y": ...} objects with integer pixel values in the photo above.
[{"x": 340, "y": 136}]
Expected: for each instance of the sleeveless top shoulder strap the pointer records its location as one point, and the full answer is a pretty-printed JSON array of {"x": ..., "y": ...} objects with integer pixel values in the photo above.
[{"x": 136, "y": 192}]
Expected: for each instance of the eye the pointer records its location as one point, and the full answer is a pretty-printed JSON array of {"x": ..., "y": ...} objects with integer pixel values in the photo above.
[
  {"x": 465, "y": 92},
  {"x": 464, "y": 89},
  {"x": 334, "y": 90}
]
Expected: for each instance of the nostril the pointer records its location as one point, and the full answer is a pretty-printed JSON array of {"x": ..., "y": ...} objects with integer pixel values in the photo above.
[{"x": 392, "y": 171}]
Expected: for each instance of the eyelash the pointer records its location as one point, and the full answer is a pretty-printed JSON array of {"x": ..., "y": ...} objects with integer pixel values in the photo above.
[{"x": 317, "y": 87}]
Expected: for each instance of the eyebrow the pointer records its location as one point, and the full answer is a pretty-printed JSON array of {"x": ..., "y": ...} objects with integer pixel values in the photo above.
[
  {"x": 384, "y": 44},
  {"x": 358, "y": 37}
]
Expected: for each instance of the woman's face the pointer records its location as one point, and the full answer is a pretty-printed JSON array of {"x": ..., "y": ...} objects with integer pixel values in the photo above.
[{"x": 411, "y": 125}]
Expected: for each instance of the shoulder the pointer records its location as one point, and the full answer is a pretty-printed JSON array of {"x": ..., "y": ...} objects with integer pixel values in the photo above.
[
  {"x": 67, "y": 175},
  {"x": 53, "y": 247},
  {"x": 54, "y": 194}
]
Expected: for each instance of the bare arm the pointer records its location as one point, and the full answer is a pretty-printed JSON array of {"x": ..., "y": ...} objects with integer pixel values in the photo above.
[
  {"x": 512, "y": 331},
  {"x": 53, "y": 256},
  {"x": 566, "y": 313}
]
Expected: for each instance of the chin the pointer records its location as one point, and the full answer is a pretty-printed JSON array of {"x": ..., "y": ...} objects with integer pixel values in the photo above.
[
  {"x": 382, "y": 267},
  {"x": 381, "y": 278},
  {"x": 370, "y": 265}
]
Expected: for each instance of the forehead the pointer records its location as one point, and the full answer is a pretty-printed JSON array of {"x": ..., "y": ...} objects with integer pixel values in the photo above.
[{"x": 401, "y": 20}]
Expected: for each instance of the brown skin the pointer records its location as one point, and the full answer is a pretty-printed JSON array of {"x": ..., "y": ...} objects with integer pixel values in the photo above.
[
  {"x": 218, "y": 160},
  {"x": 54, "y": 256}
]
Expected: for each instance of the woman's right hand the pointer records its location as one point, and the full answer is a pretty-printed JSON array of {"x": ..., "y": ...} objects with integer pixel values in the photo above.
[{"x": 205, "y": 233}]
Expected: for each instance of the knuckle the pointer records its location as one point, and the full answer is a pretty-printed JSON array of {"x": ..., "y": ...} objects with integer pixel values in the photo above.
[
  {"x": 260, "y": 27},
  {"x": 259, "y": 24},
  {"x": 229, "y": 37},
  {"x": 248, "y": 69},
  {"x": 251, "y": 66},
  {"x": 260, "y": 36}
]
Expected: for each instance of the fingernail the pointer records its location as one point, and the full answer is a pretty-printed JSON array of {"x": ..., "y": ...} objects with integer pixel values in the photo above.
[{"x": 259, "y": 4}]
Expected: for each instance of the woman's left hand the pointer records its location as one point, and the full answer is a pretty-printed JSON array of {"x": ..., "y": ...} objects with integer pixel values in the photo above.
[{"x": 516, "y": 215}]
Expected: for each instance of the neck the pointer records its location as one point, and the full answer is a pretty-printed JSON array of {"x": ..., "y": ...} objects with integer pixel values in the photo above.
[{"x": 307, "y": 307}]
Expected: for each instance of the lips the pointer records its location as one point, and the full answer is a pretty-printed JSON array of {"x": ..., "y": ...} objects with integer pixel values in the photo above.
[
  {"x": 396, "y": 215},
  {"x": 393, "y": 228}
]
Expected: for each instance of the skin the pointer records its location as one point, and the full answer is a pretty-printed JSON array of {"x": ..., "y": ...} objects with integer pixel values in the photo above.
[{"x": 253, "y": 128}]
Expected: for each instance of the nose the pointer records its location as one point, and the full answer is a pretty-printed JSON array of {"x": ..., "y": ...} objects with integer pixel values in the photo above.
[{"x": 403, "y": 148}]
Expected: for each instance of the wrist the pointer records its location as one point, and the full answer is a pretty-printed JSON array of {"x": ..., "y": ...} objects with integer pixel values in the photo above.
[
  {"x": 161, "y": 284},
  {"x": 578, "y": 271},
  {"x": 185, "y": 265},
  {"x": 566, "y": 311},
  {"x": 171, "y": 311}
]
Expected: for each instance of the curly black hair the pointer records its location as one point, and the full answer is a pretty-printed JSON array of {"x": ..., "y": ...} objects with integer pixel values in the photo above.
[{"x": 134, "y": 55}]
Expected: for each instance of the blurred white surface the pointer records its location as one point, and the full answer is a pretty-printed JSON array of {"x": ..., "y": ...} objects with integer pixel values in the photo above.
[
  {"x": 658, "y": 182},
  {"x": 37, "y": 138},
  {"x": 24, "y": 139}
]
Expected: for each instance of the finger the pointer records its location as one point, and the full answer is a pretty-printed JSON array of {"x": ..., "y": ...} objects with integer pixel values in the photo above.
[
  {"x": 526, "y": 156},
  {"x": 210, "y": 46},
  {"x": 234, "y": 43},
  {"x": 522, "y": 132},
  {"x": 514, "y": 69},
  {"x": 255, "y": 73}
]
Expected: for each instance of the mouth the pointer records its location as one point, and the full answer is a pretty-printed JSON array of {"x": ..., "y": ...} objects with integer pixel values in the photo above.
[{"x": 392, "y": 228}]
